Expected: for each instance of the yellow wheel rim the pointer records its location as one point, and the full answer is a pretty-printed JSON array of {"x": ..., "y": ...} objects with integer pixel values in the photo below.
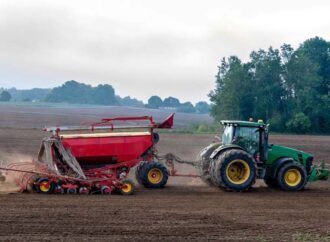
[
  {"x": 238, "y": 171},
  {"x": 292, "y": 177},
  {"x": 155, "y": 176},
  {"x": 44, "y": 186},
  {"x": 127, "y": 187}
]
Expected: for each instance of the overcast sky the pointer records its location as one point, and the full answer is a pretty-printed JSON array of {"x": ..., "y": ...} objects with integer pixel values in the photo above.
[{"x": 142, "y": 48}]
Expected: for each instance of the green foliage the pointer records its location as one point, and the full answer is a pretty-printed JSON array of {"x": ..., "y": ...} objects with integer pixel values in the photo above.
[
  {"x": 5, "y": 96},
  {"x": 130, "y": 102},
  {"x": 154, "y": 102},
  {"x": 202, "y": 107},
  {"x": 289, "y": 88},
  {"x": 299, "y": 123},
  {"x": 171, "y": 102},
  {"x": 75, "y": 92},
  {"x": 34, "y": 94},
  {"x": 186, "y": 107},
  {"x": 203, "y": 128}
]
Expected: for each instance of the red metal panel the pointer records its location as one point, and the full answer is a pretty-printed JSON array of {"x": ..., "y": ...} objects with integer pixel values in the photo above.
[{"x": 89, "y": 150}]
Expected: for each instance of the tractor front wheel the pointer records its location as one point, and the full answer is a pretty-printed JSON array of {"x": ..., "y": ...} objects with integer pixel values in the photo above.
[
  {"x": 292, "y": 177},
  {"x": 153, "y": 175}
]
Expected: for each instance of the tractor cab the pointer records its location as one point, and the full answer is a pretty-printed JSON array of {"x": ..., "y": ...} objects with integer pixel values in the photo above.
[{"x": 251, "y": 136}]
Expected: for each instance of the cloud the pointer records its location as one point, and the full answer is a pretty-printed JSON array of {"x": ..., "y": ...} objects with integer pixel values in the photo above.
[{"x": 144, "y": 47}]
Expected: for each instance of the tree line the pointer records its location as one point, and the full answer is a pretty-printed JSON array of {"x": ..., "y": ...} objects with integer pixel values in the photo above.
[
  {"x": 79, "y": 93},
  {"x": 173, "y": 103},
  {"x": 286, "y": 87}
]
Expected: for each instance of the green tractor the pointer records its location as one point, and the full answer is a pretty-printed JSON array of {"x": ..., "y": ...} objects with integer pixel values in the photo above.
[{"x": 244, "y": 155}]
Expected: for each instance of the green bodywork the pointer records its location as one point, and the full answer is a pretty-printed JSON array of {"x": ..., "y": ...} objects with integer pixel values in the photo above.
[
  {"x": 276, "y": 152},
  {"x": 318, "y": 173},
  {"x": 253, "y": 138}
]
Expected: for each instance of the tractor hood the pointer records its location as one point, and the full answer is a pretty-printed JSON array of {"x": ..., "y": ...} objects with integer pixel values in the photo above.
[{"x": 278, "y": 151}]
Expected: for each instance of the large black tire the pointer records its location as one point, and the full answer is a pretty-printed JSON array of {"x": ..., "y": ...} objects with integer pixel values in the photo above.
[
  {"x": 270, "y": 179},
  {"x": 41, "y": 188},
  {"x": 271, "y": 182},
  {"x": 138, "y": 170},
  {"x": 212, "y": 173},
  {"x": 204, "y": 167},
  {"x": 234, "y": 170},
  {"x": 153, "y": 175},
  {"x": 292, "y": 176}
]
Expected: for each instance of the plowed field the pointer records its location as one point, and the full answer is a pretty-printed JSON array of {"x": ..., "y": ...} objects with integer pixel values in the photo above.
[{"x": 185, "y": 210}]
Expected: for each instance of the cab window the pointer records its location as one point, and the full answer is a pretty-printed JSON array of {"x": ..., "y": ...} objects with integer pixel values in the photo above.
[
  {"x": 227, "y": 135},
  {"x": 248, "y": 138}
]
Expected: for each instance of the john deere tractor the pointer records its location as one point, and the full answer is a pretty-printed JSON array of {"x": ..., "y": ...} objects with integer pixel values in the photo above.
[{"x": 244, "y": 155}]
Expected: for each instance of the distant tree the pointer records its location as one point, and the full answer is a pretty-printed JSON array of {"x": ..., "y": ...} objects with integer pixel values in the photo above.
[
  {"x": 104, "y": 95},
  {"x": 75, "y": 92},
  {"x": 128, "y": 101},
  {"x": 300, "y": 123},
  {"x": 308, "y": 78},
  {"x": 171, "y": 102},
  {"x": 186, "y": 107},
  {"x": 232, "y": 97},
  {"x": 5, "y": 96},
  {"x": 202, "y": 107},
  {"x": 71, "y": 92},
  {"x": 38, "y": 94},
  {"x": 290, "y": 88},
  {"x": 154, "y": 102}
]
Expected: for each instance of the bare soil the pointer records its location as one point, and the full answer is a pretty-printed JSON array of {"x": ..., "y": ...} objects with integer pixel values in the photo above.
[{"x": 185, "y": 210}]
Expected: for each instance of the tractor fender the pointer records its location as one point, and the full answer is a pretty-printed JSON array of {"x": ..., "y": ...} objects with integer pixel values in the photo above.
[
  {"x": 222, "y": 148},
  {"x": 208, "y": 150},
  {"x": 277, "y": 164}
]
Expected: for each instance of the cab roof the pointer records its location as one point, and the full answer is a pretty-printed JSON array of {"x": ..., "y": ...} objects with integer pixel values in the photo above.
[{"x": 259, "y": 124}]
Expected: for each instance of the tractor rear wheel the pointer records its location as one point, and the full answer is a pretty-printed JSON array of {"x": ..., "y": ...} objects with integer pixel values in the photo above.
[
  {"x": 205, "y": 162},
  {"x": 153, "y": 175},
  {"x": 292, "y": 176},
  {"x": 234, "y": 170}
]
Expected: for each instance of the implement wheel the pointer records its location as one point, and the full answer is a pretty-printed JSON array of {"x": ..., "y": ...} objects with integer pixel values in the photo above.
[
  {"x": 234, "y": 170},
  {"x": 292, "y": 177},
  {"x": 44, "y": 186},
  {"x": 127, "y": 187},
  {"x": 153, "y": 175}
]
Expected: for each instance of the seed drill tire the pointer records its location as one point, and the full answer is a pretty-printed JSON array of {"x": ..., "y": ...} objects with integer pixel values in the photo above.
[
  {"x": 144, "y": 171},
  {"x": 51, "y": 188}
]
